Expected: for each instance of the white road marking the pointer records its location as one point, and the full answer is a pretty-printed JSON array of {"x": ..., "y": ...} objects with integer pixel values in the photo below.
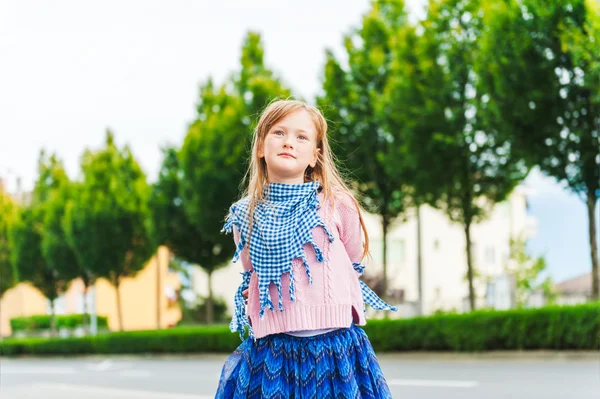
[
  {"x": 135, "y": 373},
  {"x": 108, "y": 365},
  {"x": 434, "y": 383},
  {"x": 117, "y": 392},
  {"x": 104, "y": 365},
  {"x": 37, "y": 370}
]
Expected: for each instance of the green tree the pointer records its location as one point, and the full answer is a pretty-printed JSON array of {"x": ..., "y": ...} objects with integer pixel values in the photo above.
[
  {"x": 526, "y": 271},
  {"x": 51, "y": 193},
  {"x": 540, "y": 66},
  {"x": 79, "y": 234},
  {"x": 463, "y": 166},
  {"x": 170, "y": 224},
  {"x": 213, "y": 158},
  {"x": 27, "y": 257},
  {"x": 8, "y": 210},
  {"x": 57, "y": 252},
  {"x": 363, "y": 138},
  {"x": 167, "y": 220},
  {"x": 107, "y": 221},
  {"x": 47, "y": 268}
]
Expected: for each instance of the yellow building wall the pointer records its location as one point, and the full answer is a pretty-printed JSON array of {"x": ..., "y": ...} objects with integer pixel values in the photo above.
[
  {"x": 138, "y": 299},
  {"x": 21, "y": 300}
]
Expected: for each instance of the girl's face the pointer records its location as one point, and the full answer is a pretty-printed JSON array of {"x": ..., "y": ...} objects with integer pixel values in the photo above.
[{"x": 289, "y": 147}]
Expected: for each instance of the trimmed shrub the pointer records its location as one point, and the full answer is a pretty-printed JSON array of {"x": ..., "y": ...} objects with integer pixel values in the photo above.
[
  {"x": 42, "y": 322},
  {"x": 550, "y": 328}
]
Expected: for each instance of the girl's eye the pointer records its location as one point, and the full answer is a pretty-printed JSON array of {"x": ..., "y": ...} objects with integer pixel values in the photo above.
[
  {"x": 278, "y": 132},
  {"x": 301, "y": 137}
]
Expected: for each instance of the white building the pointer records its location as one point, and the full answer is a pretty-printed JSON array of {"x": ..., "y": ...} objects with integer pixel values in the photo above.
[{"x": 443, "y": 254}]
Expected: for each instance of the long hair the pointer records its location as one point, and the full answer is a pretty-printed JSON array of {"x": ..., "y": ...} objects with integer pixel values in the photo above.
[{"x": 325, "y": 170}]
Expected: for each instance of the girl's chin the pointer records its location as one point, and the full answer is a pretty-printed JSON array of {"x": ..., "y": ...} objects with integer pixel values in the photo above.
[
  {"x": 285, "y": 170},
  {"x": 286, "y": 174}
]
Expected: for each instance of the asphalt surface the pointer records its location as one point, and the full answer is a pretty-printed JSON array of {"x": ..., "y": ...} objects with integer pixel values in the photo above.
[{"x": 414, "y": 376}]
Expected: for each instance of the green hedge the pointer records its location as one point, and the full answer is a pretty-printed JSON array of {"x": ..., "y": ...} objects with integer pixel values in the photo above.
[
  {"x": 551, "y": 328},
  {"x": 42, "y": 322},
  {"x": 175, "y": 340}
]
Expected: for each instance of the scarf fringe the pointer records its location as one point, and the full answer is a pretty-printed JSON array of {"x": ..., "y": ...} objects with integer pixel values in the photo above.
[
  {"x": 309, "y": 205},
  {"x": 369, "y": 296},
  {"x": 239, "y": 321},
  {"x": 238, "y": 218}
]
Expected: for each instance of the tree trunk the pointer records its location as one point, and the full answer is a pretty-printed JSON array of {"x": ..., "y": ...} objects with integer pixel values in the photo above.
[
  {"x": 385, "y": 226},
  {"x": 158, "y": 289},
  {"x": 419, "y": 263},
  {"x": 591, "y": 206},
  {"x": 52, "y": 319},
  {"x": 84, "y": 318},
  {"x": 119, "y": 313},
  {"x": 470, "y": 266},
  {"x": 94, "y": 315},
  {"x": 1, "y": 337},
  {"x": 209, "y": 300}
]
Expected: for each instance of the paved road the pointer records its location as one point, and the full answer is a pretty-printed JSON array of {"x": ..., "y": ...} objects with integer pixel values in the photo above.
[{"x": 409, "y": 376}]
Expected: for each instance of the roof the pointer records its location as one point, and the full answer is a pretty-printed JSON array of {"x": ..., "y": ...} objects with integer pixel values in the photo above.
[{"x": 576, "y": 285}]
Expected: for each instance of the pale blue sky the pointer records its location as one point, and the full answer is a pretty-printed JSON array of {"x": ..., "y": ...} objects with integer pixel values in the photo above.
[
  {"x": 562, "y": 228},
  {"x": 72, "y": 68}
]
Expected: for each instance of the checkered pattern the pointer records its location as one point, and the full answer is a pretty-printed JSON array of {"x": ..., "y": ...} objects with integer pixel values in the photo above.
[
  {"x": 369, "y": 296},
  {"x": 283, "y": 223},
  {"x": 240, "y": 319}
]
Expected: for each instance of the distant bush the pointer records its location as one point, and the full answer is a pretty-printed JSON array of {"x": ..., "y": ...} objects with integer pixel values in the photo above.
[
  {"x": 550, "y": 328},
  {"x": 211, "y": 339},
  {"x": 42, "y": 322}
]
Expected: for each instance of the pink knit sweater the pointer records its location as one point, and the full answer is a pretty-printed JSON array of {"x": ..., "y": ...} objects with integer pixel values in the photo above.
[{"x": 334, "y": 299}]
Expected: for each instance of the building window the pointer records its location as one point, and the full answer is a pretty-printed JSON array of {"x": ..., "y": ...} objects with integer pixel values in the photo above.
[
  {"x": 490, "y": 255},
  {"x": 376, "y": 250},
  {"x": 397, "y": 252},
  {"x": 505, "y": 258}
]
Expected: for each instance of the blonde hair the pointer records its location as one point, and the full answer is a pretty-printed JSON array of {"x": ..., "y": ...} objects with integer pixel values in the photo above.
[{"x": 325, "y": 170}]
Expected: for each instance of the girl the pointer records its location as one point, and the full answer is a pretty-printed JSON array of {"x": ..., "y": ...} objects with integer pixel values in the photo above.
[{"x": 299, "y": 233}]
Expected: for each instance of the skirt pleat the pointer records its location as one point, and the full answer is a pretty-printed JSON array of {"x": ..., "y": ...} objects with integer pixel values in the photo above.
[{"x": 340, "y": 364}]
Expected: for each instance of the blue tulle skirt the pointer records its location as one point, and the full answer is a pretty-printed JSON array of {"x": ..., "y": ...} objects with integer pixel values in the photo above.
[{"x": 339, "y": 364}]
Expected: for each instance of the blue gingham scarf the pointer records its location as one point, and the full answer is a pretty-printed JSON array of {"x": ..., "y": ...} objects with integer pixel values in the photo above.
[{"x": 283, "y": 224}]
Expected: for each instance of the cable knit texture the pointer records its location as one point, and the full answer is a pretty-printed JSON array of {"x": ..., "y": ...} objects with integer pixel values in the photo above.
[{"x": 334, "y": 298}]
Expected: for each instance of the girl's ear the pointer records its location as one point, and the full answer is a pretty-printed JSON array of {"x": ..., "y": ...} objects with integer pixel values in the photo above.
[
  {"x": 315, "y": 157},
  {"x": 260, "y": 152}
]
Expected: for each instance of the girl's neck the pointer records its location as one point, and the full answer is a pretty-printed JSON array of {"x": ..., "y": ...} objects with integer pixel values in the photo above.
[{"x": 292, "y": 180}]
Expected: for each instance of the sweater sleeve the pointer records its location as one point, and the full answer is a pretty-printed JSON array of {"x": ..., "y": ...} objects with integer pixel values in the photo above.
[
  {"x": 351, "y": 236},
  {"x": 350, "y": 228},
  {"x": 245, "y": 254}
]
